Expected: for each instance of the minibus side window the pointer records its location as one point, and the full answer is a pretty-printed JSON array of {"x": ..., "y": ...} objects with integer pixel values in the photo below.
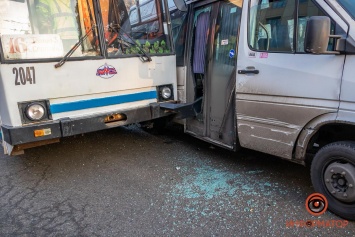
[
  {"x": 307, "y": 9},
  {"x": 272, "y": 25}
]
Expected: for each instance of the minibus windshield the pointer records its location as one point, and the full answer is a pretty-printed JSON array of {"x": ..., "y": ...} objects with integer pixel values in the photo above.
[{"x": 349, "y": 6}]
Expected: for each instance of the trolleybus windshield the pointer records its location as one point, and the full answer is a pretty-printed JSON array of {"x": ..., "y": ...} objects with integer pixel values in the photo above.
[{"x": 48, "y": 29}]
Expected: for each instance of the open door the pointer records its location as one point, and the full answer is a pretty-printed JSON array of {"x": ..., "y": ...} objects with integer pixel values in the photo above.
[{"x": 211, "y": 70}]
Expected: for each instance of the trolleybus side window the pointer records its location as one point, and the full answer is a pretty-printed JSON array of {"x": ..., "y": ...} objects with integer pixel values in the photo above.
[
  {"x": 132, "y": 25},
  {"x": 39, "y": 29}
]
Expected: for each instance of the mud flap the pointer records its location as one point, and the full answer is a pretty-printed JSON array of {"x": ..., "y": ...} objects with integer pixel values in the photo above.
[{"x": 9, "y": 150}]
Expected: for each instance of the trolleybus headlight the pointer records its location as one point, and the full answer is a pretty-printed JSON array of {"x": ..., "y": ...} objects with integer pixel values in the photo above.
[
  {"x": 166, "y": 93},
  {"x": 35, "y": 111}
]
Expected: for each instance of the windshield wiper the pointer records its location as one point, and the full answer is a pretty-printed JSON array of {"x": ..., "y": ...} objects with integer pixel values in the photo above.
[
  {"x": 75, "y": 47},
  {"x": 145, "y": 57}
]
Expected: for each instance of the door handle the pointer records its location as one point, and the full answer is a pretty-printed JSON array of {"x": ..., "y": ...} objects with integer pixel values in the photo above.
[{"x": 250, "y": 70}]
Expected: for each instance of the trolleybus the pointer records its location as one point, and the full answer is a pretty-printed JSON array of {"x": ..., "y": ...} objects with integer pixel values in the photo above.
[{"x": 75, "y": 66}]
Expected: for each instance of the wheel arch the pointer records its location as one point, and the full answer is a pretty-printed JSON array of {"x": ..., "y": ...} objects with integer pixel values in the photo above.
[{"x": 321, "y": 131}]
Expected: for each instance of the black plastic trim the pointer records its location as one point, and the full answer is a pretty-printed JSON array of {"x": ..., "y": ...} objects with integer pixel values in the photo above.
[
  {"x": 65, "y": 127},
  {"x": 25, "y": 134},
  {"x": 248, "y": 71}
]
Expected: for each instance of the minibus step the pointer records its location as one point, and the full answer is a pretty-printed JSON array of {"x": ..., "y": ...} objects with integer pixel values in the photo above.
[{"x": 184, "y": 110}]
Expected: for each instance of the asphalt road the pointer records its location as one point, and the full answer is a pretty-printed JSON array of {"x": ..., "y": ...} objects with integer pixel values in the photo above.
[{"x": 127, "y": 182}]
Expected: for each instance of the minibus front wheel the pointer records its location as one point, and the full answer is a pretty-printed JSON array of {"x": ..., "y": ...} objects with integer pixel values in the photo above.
[{"x": 333, "y": 175}]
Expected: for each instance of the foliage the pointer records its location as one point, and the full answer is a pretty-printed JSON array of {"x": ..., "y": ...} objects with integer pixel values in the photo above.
[{"x": 152, "y": 48}]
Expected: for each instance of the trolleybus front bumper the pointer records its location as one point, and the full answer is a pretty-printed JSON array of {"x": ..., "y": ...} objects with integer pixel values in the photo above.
[{"x": 36, "y": 133}]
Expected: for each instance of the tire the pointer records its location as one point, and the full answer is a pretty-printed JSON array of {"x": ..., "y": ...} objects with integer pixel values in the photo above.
[{"x": 328, "y": 178}]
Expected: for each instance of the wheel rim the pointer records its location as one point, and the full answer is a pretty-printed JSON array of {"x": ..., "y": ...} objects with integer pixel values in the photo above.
[{"x": 339, "y": 178}]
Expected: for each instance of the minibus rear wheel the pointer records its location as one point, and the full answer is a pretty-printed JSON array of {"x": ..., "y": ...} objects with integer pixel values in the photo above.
[{"x": 333, "y": 175}]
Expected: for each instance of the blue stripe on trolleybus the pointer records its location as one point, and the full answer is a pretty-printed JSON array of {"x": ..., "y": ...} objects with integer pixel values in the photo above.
[{"x": 99, "y": 102}]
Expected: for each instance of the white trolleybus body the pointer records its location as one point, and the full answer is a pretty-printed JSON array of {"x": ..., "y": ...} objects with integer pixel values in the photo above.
[
  {"x": 276, "y": 76},
  {"x": 75, "y": 66}
]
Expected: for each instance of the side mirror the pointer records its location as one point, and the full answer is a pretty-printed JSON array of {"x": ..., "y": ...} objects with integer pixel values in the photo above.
[
  {"x": 317, "y": 35},
  {"x": 181, "y": 5}
]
